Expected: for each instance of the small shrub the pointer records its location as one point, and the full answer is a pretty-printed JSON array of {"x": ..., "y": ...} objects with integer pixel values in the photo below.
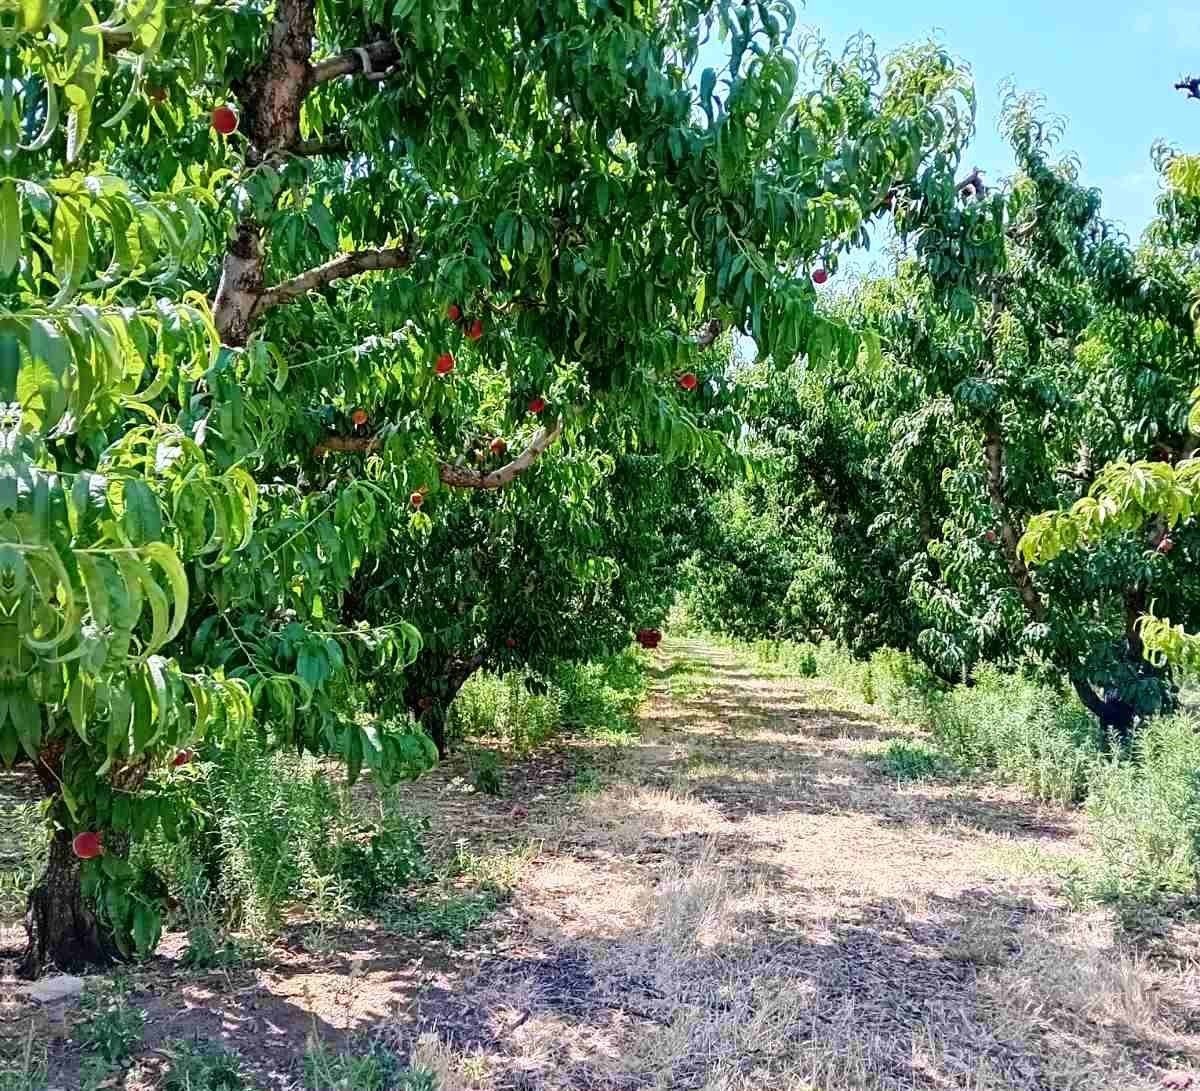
[
  {"x": 499, "y": 871},
  {"x": 806, "y": 662},
  {"x": 486, "y": 774},
  {"x": 786, "y": 657},
  {"x": 505, "y": 707},
  {"x": 375, "y": 1069},
  {"x": 904, "y": 688},
  {"x": 382, "y": 857},
  {"x": 525, "y": 709},
  {"x": 1029, "y": 733},
  {"x": 264, "y": 837},
  {"x": 273, "y": 830},
  {"x": 197, "y": 1067},
  {"x": 906, "y": 760},
  {"x": 601, "y": 697},
  {"x": 1146, "y": 814},
  {"x": 112, "y": 1027}
]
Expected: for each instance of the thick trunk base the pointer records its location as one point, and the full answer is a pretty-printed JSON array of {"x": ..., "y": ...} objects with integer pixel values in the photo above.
[{"x": 63, "y": 932}]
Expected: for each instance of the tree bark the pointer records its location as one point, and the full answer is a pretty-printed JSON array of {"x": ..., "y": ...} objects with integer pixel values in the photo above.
[
  {"x": 62, "y": 930},
  {"x": 379, "y": 56},
  {"x": 344, "y": 265},
  {"x": 240, "y": 286},
  {"x": 273, "y": 92}
]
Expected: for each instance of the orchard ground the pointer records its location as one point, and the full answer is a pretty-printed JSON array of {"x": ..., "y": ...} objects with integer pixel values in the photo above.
[{"x": 745, "y": 897}]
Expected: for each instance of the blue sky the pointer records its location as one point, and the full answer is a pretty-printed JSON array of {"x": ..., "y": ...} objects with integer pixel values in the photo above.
[{"x": 1107, "y": 67}]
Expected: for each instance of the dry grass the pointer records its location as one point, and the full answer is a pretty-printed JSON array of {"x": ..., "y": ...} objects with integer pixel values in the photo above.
[{"x": 756, "y": 906}]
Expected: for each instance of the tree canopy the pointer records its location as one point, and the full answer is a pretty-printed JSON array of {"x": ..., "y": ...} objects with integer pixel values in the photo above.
[{"x": 272, "y": 272}]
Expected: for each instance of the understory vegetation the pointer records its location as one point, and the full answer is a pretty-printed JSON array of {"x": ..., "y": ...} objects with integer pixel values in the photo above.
[{"x": 269, "y": 831}]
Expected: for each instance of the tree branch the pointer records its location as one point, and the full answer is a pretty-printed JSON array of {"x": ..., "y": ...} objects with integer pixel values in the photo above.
[
  {"x": 334, "y": 145},
  {"x": 993, "y": 453},
  {"x": 458, "y": 477},
  {"x": 380, "y": 57},
  {"x": 461, "y": 477},
  {"x": 344, "y": 265}
]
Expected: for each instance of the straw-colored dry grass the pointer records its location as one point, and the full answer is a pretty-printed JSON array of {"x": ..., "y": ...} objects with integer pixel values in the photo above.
[{"x": 753, "y": 904}]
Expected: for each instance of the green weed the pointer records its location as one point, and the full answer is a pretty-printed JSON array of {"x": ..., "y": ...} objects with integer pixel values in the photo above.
[
  {"x": 586, "y": 782},
  {"x": 523, "y": 708},
  {"x": 110, "y": 1033},
  {"x": 486, "y": 775},
  {"x": 272, "y": 830},
  {"x": 25, "y": 1068},
  {"x": 602, "y": 698},
  {"x": 907, "y": 760},
  {"x": 112, "y": 1028},
  {"x": 202, "y": 1067},
  {"x": 506, "y": 707},
  {"x": 451, "y": 917},
  {"x": 500, "y": 870},
  {"x": 375, "y": 1069},
  {"x": 1145, "y": 814},
  {"x": 1027, "y": 732}
]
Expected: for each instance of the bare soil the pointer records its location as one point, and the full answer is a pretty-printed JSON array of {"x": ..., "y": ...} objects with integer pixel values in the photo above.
[{"x": 748, "y": 901}]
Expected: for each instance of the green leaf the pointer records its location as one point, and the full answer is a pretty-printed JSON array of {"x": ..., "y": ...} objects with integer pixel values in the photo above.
[
  {"x": 708, "y": 82},
  {"x": 162, "y": 555},
  {"x": 10, "y": 226},
  {"x": 142, "y": 519},
  {"x": 27, "y": 719},
  {"x": 147, "y": 928},
  {"x": 80, "y": 698}
]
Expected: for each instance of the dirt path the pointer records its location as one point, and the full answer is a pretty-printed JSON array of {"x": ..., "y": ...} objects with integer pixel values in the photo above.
[
  {"x": 742, "y": 900},
  {"x": 754, "y": 903}
]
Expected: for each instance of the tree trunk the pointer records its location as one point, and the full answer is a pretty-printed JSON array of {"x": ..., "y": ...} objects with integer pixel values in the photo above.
[
  {"x": 62, "y": 929},
  {"x": 430, "y": 703},
  {"x": 240, "y": 287}
]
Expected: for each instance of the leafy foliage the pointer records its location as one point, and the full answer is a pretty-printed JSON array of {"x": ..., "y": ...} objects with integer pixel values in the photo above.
[{"x": 1023, "y": 346}]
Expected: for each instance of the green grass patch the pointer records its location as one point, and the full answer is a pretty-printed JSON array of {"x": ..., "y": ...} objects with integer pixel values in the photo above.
[
  {"x": 195, "y": 1066},
  {"x": 906, "y": 759},
  {"x": 525, "y": 708},
  {"x": 1145, "y": 815},
  {"x": 375, "y": 1068},
  {"x": 450, "y": 917},
  {"x": 689, "y": 679}
]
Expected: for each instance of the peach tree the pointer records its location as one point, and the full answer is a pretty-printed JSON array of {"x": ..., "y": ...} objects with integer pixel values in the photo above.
[
  {"x": 1146, "y": 498},
  {"x": 1024, "y": 345},
  {"x": 270, "y": 271}
]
